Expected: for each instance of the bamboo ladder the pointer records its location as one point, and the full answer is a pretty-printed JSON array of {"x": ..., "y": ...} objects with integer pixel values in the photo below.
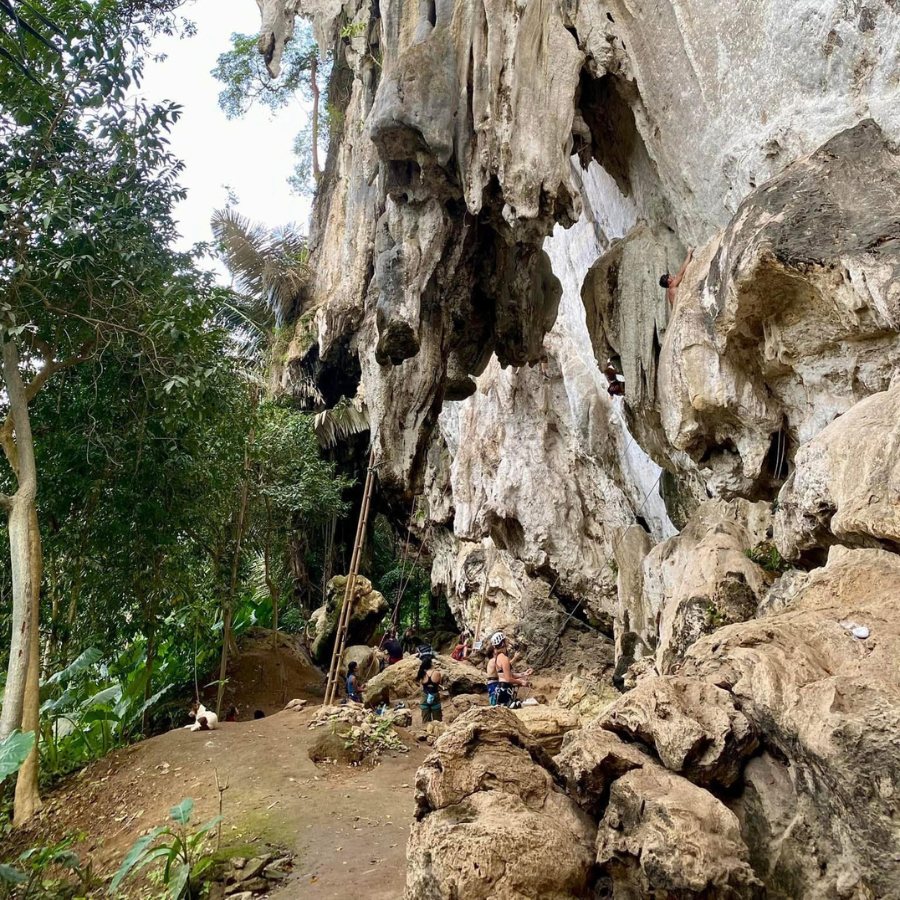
[{"x": 340, "y": 635}]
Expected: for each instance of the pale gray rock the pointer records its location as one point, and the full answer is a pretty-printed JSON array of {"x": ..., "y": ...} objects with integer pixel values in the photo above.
[
  {"x": 845, "y": 487},
  {"x": 781, "y": 325},
  {"x": 703, "y": 579},
  {"x": 827, "y": 705}
]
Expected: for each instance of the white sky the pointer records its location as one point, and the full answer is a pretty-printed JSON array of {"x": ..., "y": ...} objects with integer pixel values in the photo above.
[{"x": 251, "y": 155}]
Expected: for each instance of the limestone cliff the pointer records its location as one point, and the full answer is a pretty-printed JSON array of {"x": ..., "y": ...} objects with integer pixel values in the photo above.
[{"x": 508, "y": 184}]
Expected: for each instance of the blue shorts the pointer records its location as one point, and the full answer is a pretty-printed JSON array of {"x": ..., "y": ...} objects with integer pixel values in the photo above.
[{"x": 493, "y": 687}]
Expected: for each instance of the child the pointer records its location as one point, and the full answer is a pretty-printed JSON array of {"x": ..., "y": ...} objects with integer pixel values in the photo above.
[{"x": 354, "y": 691}]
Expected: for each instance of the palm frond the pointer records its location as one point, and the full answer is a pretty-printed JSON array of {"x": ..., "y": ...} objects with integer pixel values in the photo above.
[
  {"x": 346, "y": 418},
  {"x": 269, "y": 265},
  {"x": 249, "y": 322},
  {"x": 304, "y": 388}
]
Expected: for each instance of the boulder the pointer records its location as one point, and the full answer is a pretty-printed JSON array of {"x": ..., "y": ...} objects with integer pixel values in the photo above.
[
  {"x": 827, "y": 706},
  {"x": 702, "y": 579},
  {"x": 845, "y": 487},
  {"x": 331, "y": 745},
  {"x": 548, "y": 724},
  {"x": 398, "y": 682},
  {"x": 366, "y": 659},
  {"x": 665, "y": 838},
  {"x": 591, "y": 760},
  {"x": 694, "y": 727},
  {"x": 489, "y": 816},
  {"x": 586, "y": 697},
  {"x": 369, "y": 607},
  {"x": 462, "y": 703}
]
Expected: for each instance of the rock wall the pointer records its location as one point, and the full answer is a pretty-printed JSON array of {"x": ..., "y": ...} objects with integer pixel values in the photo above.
[{"x": 509, "y": 183}]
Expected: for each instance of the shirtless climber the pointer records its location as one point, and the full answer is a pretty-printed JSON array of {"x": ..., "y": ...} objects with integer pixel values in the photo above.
[{"x": 671, "y": 282}]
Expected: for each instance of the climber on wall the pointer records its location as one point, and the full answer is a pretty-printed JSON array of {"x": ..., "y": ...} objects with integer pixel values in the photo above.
[
  {"x": 615, "y": 380},
  {"x": 671, "y": 282}
]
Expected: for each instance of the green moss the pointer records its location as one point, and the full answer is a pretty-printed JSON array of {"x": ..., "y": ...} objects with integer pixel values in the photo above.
[{"x": 259, "y": 830}]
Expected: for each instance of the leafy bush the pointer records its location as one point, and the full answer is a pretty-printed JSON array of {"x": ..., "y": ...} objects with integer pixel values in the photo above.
[{"x": 37, "y": 863}]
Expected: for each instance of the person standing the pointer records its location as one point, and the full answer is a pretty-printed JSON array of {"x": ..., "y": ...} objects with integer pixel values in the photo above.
[
  {"x": 430, "y": 679},
  {"x": 508, "y": 680},
  {"x": 393, "y": 649},
  {"x": 354, "y": 691}
]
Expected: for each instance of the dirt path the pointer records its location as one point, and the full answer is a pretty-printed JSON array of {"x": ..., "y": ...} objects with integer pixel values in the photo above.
[{"x": 348, "y": 826}]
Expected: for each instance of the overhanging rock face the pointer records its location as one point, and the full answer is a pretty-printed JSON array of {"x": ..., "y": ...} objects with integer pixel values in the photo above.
[{"x": 509, "y": 182}]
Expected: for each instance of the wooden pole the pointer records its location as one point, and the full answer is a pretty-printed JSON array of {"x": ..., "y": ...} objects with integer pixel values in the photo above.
[{"x": 350, "y": 587}]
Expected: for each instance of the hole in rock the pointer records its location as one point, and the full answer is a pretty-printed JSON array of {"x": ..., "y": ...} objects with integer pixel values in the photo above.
[
  {"x": 779, "y": 455},
  {"x": 607, "y": 107},
  {"x": 726, "y": 446}
]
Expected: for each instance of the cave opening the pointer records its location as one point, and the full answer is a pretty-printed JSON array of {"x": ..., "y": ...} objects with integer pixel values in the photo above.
[{"x": 779, "y": 455}]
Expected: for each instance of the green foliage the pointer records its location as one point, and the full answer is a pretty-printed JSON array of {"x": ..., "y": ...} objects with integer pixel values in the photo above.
[
  {"x": 246, "y": 81},
  {"x": 38, "y": 863},
  {"x": 185, "y": 861},
  {"x": 242, "y": 72},
  {"x": 353, "y": 29},
  {"x": 767, "y": 556},
  {"x": 14, "y": 751},
  {"x": 269, "y": 267},
  {"x": 145, "y": 431},
  {"x": 714, "y": 617},
  {"x": 293, "y": 474}
]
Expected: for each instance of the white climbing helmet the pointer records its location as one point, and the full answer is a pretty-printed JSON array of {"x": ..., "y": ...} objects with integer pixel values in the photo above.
[{"x": 498, "y": 638}]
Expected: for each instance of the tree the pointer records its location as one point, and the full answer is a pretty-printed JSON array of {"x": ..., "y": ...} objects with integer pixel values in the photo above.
[
  {"x": 247, "y": 82},
  {"x": 87, "y": 187}
]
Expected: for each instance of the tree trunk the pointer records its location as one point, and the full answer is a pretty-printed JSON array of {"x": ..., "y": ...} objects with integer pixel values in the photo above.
[
  {"x": 314, "y": 65},
  {"x": 151, "y": 658},
  {"x": 270, "y": 584},
  {"x": 235, "y": 562},
  {"x": 28, "y": 797},
  {"x": 21, "y": 511}
]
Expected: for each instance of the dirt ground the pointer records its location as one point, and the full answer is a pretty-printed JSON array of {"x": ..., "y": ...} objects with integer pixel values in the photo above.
[
  {"x": 260, "y": 679},
  {"x": 347, "y": 826}
]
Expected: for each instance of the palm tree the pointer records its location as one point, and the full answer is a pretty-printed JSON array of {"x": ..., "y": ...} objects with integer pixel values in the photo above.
[
  {"x": 270, "y": 272},
  {"x": 269, "y": 266}
]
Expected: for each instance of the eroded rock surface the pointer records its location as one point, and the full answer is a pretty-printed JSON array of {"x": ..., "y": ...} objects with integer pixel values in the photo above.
[
  {"x": 369, "y": 607},
  {"x": 787, "y": 318},
  {"x": 827, "y": 704},
  {"x": 694, "y": 727},
  {"x": 846, "y": 484},
  {"x": 665, "y": 838},
  {"x": 398, "y": 682},
  {"x": 490, "y": 815}
]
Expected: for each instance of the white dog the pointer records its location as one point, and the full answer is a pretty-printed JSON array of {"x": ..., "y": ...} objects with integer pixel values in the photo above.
[{"x": 204, "y": 719}]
